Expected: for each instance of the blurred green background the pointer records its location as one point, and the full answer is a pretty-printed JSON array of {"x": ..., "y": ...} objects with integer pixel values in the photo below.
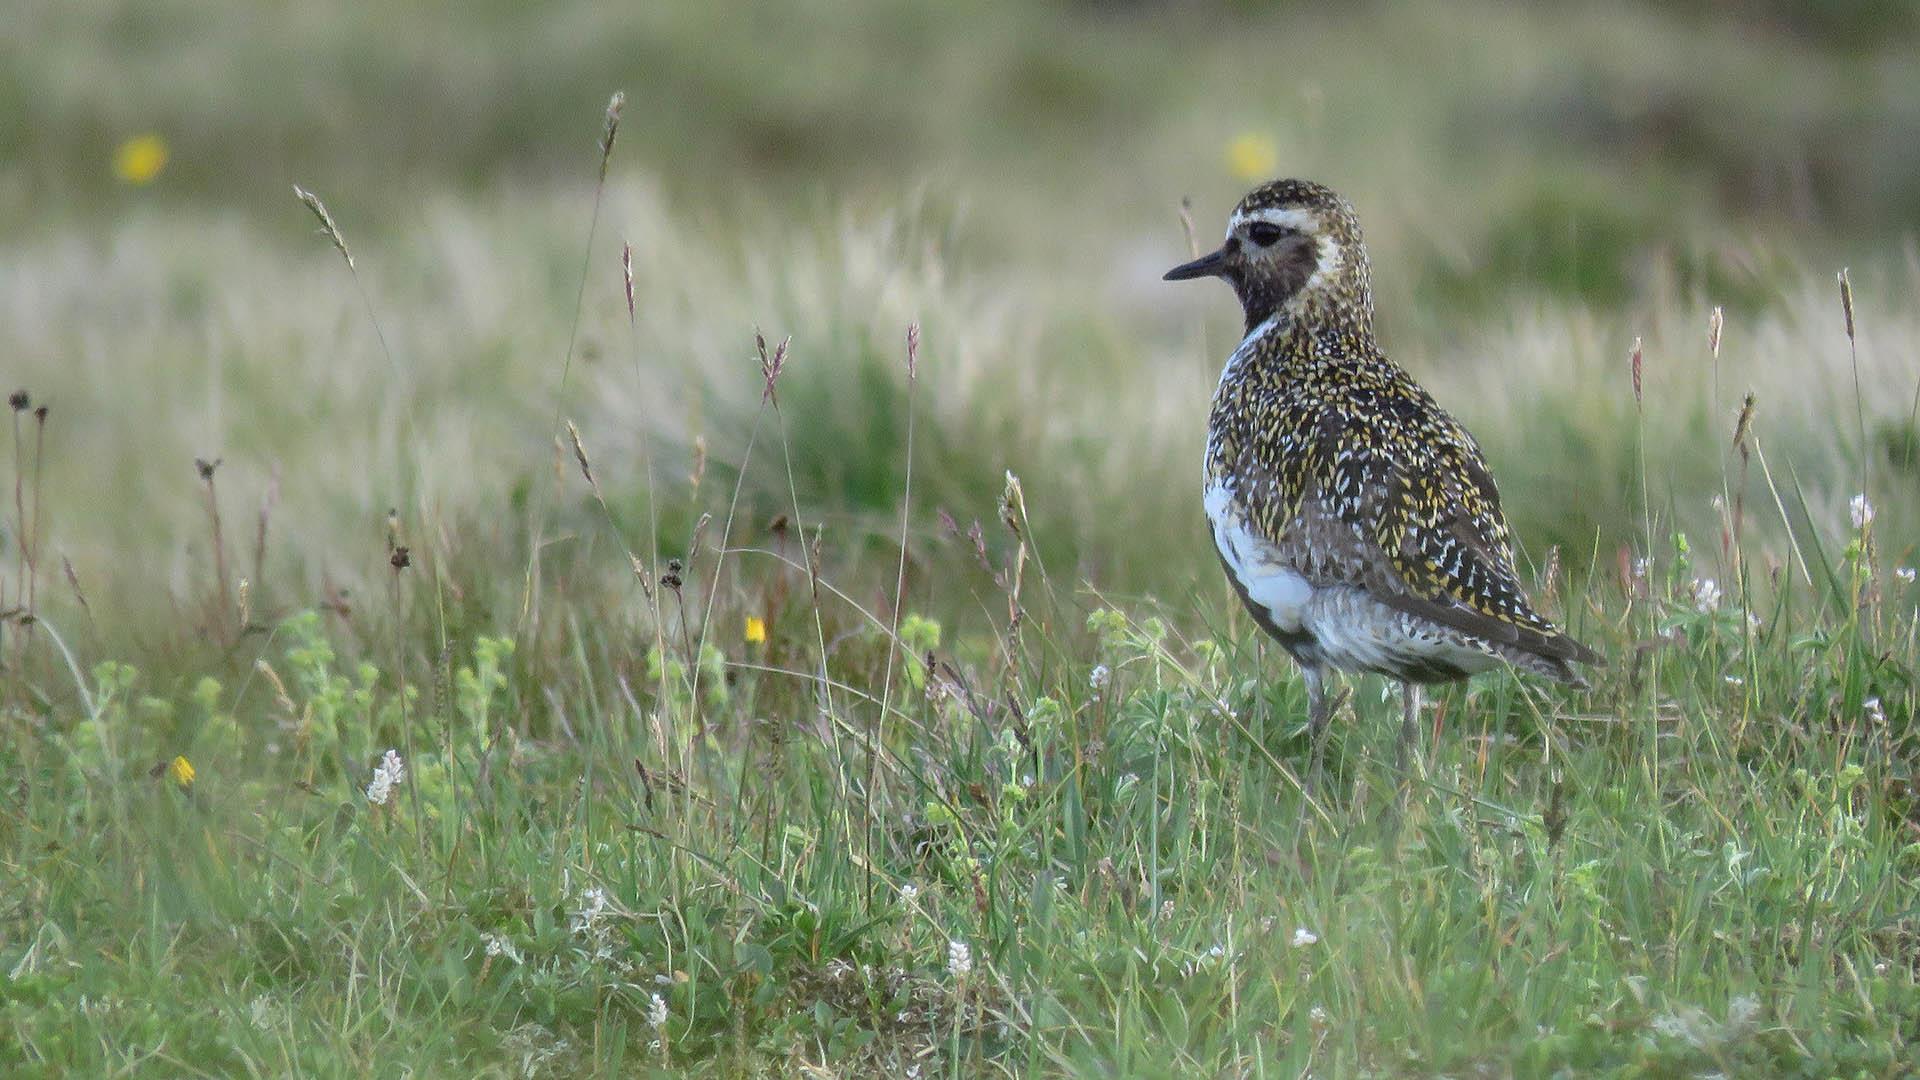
[{"x": 1541, "y": 184}]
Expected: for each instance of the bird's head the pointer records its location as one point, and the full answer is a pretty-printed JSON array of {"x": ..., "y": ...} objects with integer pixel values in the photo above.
[{"x": 1291, "y": 244}]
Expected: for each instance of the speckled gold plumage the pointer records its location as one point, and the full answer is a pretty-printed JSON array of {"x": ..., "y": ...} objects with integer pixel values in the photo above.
[{"x": 1363, "y": 502}]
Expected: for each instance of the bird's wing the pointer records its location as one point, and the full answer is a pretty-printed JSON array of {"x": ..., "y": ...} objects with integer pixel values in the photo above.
[{"x": 1409, "y": 481}]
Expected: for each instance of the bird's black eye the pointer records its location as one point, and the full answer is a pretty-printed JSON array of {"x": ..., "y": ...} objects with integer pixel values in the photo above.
[{"x": 1264, "y": 233}]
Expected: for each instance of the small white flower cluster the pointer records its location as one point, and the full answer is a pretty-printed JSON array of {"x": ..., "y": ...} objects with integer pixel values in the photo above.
[
  {"x": 1706, "y": 595},
  {"x": 1101, "y": 678},
  {"x": 1303, "y": 937},
  {"x": 386, "y": 776},
  {"x": 498, "y": 946},
  {"x": 1214, "y": 955},
  {"x": 1860, "y": 512},
  {"x": 586, "y": 917},
  {"x": 959, "y": 959},
  {"x": 657, "y": 1012},
  {"x": 909, "y": 893},
  {"x": 1904, "y": 575},
  {"x": 1875, "y": 711}
]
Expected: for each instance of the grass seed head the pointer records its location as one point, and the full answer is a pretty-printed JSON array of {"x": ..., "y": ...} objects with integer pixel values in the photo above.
[
  {"x": 580, "y": 455},
  {"x": 1715, "y": 323},
  {"x": 913, "y": 349},
  {"x": 20, "y": 400},
  {"x": 1013, "y": 504},
  {"x": 771, "y": 365},
  {"x": 626, "y": 272},
  {"x": 73, "y": 582},
  {"x": 615, "y": 104},
  {"x": 319, "y": 209},
  {"x": 1635, "y": 362},
  {"x": 1743, "y": 428},
  {"x": 1846, "y": 301},
  {"x": 280, "y": 695},
  {"x": 1186, "y": 223}
]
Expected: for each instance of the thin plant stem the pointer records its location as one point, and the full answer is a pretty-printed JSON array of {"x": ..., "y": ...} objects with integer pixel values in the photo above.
[
  {"x": 720, "y": 557},
  {"x": 398, "y": 560},
  {"x": 614, "y": 106},
  {"x": 21, "y": 544},
  {"x": 652, "y": 585},
  {"x": 813, "y": 589},
  {"x": 32, "y": 539},
  {"x": 876, "y": 733}
]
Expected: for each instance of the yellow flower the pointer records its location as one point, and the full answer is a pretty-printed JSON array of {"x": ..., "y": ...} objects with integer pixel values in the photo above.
[
  {"x": 140, "y": 159},
  {"x": 182, "y": 771},
  {"x": 1251, "y": 156},
  {"x": 756, "y": 630}
]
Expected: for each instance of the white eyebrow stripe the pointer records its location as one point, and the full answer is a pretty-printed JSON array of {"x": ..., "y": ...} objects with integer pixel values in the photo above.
[{"x": 1287, "y": 217}]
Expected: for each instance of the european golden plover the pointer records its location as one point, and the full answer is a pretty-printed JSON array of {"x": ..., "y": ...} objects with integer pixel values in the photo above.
[{"x": 1356, "y": 519}]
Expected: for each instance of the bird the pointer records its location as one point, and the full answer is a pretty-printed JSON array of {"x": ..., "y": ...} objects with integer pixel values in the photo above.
[{"x": 1356, "y": 519}]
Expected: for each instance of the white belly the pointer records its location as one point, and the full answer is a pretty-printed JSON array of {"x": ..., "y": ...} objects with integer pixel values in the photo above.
[
  {"x": 1250, "y": 558},
  {"x": 1344, "y": 628}
]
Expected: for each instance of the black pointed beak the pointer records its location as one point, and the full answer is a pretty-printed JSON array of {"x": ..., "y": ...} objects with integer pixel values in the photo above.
[{"x": 1205, "y": 266}]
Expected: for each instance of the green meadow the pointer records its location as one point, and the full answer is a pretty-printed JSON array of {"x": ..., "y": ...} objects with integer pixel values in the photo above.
[{"x": 720, "y": 589}]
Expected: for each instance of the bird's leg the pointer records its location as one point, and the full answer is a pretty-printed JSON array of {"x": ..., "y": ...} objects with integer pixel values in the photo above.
[
  {"x": 1409, "y": 723},
  {"x": 1320, "y": 709}
]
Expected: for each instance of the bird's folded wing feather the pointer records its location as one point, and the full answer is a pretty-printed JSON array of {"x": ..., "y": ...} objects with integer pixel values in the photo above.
[{"x": 1440, "y": 540}]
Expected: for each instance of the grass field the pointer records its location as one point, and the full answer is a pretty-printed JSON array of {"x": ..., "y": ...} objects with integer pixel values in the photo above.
[{"x": 458, "y": 663}]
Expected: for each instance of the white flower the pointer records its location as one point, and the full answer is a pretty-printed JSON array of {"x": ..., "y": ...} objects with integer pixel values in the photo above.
[
  {"x": 586, "y": 917},
  {"x": 500, "y": 946},
  {"x": 1642, "y": 567},
  {"x": 386, "y": 776},
  {"x": 909, "y": 893},
  {"x": 1874, "y": 711},
  {"x": 1860, "y": 511},
  {"x": 1303, "y": 937},
  {"x": 1706, "y": 595},
  {"x": 1904, "y": 575},
  {"x": 1101, "y": 677},
  {"x": 657, "y": 1012},
  {"x": 262, "y": 1013},
  {"x": 959, "y": 959},
  {"x": 1317, "y": 1015}
]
